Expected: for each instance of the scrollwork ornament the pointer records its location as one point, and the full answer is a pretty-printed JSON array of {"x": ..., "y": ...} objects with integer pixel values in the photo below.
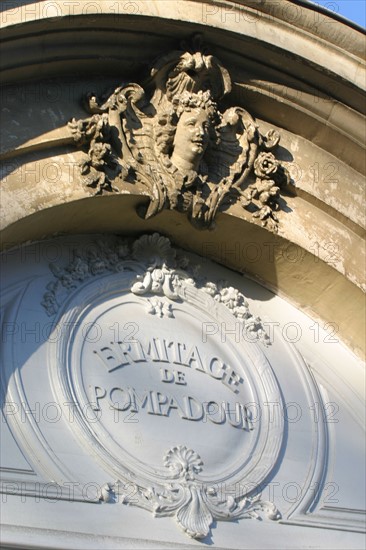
[
  {"x": 166, "y": 272},
  {"x": 194, "y": 505},
  {"x": 174, "y": 141}
]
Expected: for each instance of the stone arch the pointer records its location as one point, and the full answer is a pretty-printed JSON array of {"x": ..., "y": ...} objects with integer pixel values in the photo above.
[{"x": 295, "y": 68}]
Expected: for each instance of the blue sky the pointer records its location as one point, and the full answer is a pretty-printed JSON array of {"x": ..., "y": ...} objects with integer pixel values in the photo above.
[{"x": 355, "y": 10}]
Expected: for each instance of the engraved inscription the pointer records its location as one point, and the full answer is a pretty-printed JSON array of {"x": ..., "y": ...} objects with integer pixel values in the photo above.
[
  {"x": 186, "y": 407},
  {"x": 121, "y": 354},
  {"x": 163, "y": 388},
  {"x": 162, "y": 403}
]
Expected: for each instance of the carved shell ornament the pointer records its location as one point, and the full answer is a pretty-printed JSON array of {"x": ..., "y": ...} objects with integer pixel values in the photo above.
[
  {"x": 172, "y": 139},
  {"x": 167, "y": 271},
  {"x": 194, "y": 505},
  {"x": 162, "y": 275}
]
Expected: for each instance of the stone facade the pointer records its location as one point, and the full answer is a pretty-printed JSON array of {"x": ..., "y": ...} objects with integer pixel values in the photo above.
[{"x": 142, "y": 141}]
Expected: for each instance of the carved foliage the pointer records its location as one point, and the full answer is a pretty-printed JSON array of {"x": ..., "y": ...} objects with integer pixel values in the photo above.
[
  {"x": 101, "y": 258},
  {"x": 194, "y": 505},
  {"x": 166, "y": 273},
  {"x": 239, "y": 307},
  {"x": 173, "y": 139}
]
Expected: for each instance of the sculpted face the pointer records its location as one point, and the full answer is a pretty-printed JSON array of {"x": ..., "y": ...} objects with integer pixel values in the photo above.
[{"x": 191, "y": 139}]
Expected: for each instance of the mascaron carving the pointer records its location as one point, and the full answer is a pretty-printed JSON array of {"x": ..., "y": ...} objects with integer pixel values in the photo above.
[
  {"x": 166, "y": 272},
  {"x": 194, "y": 505},
  {"x": 172, "y": 138}
]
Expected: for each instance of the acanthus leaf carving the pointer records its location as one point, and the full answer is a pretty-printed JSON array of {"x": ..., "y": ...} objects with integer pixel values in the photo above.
[
  {"x": 173, "y": 139},
  {"x": 194, "y": 505}
]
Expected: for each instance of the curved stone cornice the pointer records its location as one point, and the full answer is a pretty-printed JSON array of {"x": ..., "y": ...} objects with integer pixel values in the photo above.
[
  {"x": 317, "y": 32},
  {"x": 302, "y": 277},
  {"x": 284, "y": 57}
]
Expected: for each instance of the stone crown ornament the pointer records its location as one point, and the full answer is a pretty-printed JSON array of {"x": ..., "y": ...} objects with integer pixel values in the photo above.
[{"x": 172, "y": 138}]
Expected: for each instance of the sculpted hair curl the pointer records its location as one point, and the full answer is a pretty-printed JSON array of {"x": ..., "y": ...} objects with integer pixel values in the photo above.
[{"x": 166, "y": 123}]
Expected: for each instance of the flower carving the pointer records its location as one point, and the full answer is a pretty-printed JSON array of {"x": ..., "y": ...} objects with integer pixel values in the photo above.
[
  {"x": 265, "y": 165},
  {"x": 230, "y": 297},
  {"x": 189, "y": 153},
  {"x": 49, "y": 301},
  {"x": 79, "y": 268},
  {"x": 166, "y": 273},
  {"x": 105, "y": 257},
  {"x": 235, "y": 301}
]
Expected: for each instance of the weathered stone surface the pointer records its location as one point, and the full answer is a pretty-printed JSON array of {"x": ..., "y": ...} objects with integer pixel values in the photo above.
[{"x": 102, "y": 308}]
